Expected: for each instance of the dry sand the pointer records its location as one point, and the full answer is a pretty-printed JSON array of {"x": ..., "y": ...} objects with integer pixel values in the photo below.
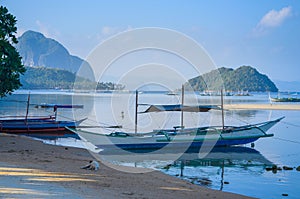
[
  {"x": 32, "y": 169},
  {"x": 290, "y": 107}
]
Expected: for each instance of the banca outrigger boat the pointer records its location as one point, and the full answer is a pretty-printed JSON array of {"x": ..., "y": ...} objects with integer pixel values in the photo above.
[
  {"x": 208, "y": 136},
  {"x": 40, "y": 126}
]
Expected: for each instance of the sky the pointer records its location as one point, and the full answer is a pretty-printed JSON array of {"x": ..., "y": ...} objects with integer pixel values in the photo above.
[{"x": 262, "y": 34}]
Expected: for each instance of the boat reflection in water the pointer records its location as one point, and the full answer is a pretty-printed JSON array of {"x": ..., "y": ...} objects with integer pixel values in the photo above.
[
  {"x": 206, "y": 171},
  {"x": 210, "y": 170}
]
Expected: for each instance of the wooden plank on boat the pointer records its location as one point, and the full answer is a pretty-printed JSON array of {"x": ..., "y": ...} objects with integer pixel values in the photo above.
[
  {"x": 59, "y": 106},
  {"x": 292, "y": 107}
]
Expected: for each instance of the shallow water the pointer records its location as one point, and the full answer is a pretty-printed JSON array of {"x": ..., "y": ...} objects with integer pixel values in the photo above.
[{"x": 240, "y": 171}]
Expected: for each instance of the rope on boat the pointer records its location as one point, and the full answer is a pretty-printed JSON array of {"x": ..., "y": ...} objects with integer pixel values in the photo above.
[
  {"x": 286, "y": 140},
  {"x": 20, "y": 101},
  {"x": 291, "y": 124},
  {"x": 101, "y": 124}
]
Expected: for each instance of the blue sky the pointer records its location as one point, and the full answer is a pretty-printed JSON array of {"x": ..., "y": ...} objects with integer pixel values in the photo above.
[{"x": 263, "y": 34}]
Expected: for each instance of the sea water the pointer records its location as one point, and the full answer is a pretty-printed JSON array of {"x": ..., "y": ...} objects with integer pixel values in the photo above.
[{"x": 242, "y": 170}]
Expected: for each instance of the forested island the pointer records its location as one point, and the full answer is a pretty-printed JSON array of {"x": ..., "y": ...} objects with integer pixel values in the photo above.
[
  {"x": 53, "y": 78},
  {"x": 244, "y": 78}
]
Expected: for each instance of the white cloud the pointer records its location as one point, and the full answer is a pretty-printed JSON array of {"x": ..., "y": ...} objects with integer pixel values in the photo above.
[
  {"x": 275, "y": 18},
  {"x": 108, "y": 31},
  {"x": 272, "y": 19}
]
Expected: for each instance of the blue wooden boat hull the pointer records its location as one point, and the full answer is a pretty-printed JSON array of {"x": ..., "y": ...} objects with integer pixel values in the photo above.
[
  {"x": 37, "y": 125},
  {"x": 45, "y": 128},
  {"x": 51, "y": 135},
  {"x": 188, "y": 145}
]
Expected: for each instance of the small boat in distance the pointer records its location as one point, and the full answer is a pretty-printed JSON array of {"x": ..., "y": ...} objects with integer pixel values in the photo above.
[
  {"x": 243, "y": 93},
  {"x": 207, "y": 136},
  {"x": 285, "y": 99},
  {"x": 171, "y": 93}
]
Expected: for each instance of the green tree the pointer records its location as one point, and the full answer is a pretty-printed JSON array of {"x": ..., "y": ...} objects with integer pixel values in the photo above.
[{"x": 10, "y": 61}]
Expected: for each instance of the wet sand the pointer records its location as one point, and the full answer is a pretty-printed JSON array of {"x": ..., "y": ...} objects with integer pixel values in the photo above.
[{"x": 32, "y": 169}]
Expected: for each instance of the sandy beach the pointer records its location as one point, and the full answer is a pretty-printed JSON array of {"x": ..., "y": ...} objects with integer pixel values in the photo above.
[
  {"x": 271, "y": 106},
  {"x": 32, "y": 169}
]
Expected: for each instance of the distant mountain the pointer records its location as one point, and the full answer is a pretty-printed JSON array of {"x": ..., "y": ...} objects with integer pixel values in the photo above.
[
  {"x": 243, "y": 78},
  {"x": 37, "y": 50}
]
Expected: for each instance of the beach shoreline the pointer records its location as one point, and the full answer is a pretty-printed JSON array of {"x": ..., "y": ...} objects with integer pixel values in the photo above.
[{"x": 29, "y": 168}]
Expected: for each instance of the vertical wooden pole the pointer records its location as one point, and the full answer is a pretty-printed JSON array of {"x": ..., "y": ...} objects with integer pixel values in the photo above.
[
  {"x": 27, "y": 108},
  {"x": 55, "y": 112},
  {"x": 182, "y": 104},
  {"x": 222, "y": 107},
  {"x": 136, "y": 111}
]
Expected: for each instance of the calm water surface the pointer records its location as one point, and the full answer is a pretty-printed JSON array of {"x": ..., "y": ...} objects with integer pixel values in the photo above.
[{"x": 239, "y": 169}]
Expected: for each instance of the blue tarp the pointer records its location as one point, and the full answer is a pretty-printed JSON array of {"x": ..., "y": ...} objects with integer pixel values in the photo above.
[{"x": 179, "y": 107}]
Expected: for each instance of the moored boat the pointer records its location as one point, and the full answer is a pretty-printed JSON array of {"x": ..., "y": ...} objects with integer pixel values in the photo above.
[
  {"x": 210, "y": 136},
  {"x": 39, "y": 125}
]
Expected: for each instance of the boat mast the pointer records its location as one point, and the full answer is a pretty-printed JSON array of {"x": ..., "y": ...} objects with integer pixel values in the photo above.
[
  {"x": 55, "y": 111},
  {"x": 136, "y": 111},
  {"x": 27, "y": 108},
  {"x": 182, "y": 104},
  {"x": 222, "y": 107}
]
